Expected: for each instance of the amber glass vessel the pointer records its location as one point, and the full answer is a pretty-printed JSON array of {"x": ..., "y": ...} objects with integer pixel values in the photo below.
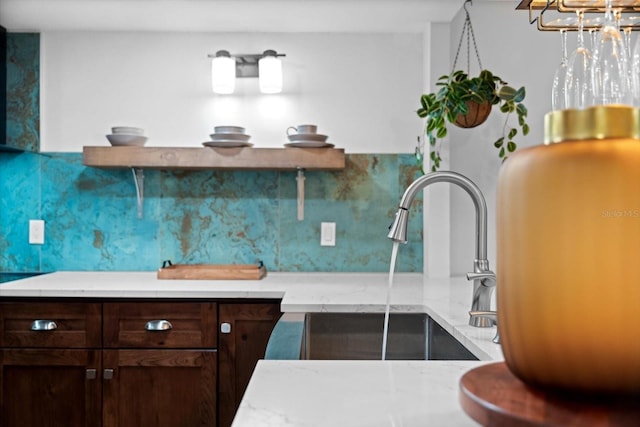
[{"x": 568, "y": 253}]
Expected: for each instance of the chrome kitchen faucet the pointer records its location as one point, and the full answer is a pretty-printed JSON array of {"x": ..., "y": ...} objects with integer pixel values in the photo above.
[{"x": 484, "y": 280}]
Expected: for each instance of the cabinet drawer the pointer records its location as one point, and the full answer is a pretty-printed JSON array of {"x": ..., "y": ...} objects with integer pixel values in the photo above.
[
  {"x": 50, "y": 324},
  {"x": 160, "y": 325}
]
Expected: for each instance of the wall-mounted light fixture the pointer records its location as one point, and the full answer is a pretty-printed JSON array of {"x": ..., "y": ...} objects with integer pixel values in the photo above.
[{"x": 266, "y": 66}]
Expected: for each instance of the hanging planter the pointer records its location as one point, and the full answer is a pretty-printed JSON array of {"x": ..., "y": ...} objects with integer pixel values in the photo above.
[
  {"x": 467, "y": 102},
  {"x": 477, "y": 115}
]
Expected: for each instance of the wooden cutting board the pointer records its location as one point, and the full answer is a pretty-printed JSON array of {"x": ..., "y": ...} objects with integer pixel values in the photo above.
[
  {"x": 494, "y": 397},
  {"x": 212, "y": 271}
]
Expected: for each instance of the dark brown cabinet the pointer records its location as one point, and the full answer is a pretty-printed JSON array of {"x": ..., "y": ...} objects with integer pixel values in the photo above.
[
  {"x": 163, "y": 388},
  {"x": 49, "y": 364},
  {"x": 128, "y": 363},
  {"x": 160, "y": 362},
  {"x": 50, "y": 387},
  {"x": 244, "y": 332}
]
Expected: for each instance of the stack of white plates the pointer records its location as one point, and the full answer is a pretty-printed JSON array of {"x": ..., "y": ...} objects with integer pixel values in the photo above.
[
  {"x": 308, "y": 140},
  {"x": 127, "y": 135},
  {"x": 228, "y": 136}
]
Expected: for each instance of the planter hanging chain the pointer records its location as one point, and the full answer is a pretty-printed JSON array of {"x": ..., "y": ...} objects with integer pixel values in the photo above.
[{"x": 467, "y": 29}]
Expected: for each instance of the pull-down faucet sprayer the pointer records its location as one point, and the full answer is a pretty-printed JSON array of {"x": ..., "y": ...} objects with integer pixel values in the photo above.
[{"x": 484, "y": 280}]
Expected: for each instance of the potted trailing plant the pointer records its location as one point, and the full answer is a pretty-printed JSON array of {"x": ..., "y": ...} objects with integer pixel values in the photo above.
[{"x": 467, "y": 102}]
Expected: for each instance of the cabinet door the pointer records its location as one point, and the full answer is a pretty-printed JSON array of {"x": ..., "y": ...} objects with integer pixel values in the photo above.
[
  {"x": 159, "y": 388},
  {"x": 50, "y": 388},
  {"x": 244, "y": 333}
]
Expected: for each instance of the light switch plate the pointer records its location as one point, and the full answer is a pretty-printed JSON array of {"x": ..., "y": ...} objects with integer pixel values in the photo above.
[
  {"x": 36, "y": 232},
  {"x": 328, "y": 234}
]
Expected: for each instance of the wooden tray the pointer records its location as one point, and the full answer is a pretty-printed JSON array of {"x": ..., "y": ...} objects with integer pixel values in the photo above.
[
  {"x": 493, "y": 396},
  {"x": 212, "y": 271}
]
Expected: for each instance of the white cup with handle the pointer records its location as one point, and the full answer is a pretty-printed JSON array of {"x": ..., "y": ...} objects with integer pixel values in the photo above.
[{"x": 302, "y": 130}]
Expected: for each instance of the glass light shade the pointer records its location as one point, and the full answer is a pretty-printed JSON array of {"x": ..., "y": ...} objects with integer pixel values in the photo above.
[
  {"x": 270, "y": 74},
  {"x": 223, "y": 74}
]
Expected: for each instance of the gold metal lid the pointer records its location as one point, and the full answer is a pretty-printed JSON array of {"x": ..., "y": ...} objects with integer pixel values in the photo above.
[{"x": 598, "y": 122}]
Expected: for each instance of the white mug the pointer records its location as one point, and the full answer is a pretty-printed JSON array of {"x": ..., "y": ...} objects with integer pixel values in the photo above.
[{"x": 302, "y": 129}]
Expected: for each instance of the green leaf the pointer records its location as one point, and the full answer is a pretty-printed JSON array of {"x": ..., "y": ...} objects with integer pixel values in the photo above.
[
  {"x": 458, "y": 76},
  {"x": 435, "y": 158},
  {"x": 507, "y": 93},
  {"x": 511, "y": 146},
  {"x": 499, "y": 142},
  {"x": 513, "y": 132},
  {"x": 425, "y": 101},
  {"x": 422, "y": 113},
  {"x": 504, "y": 107},
  {"x": 525, "y": 129},
  {"x": 442, "y": 132},
  {"x": 522, "y": 110},
  {"x": 519, "y": 95},
  {"x": 501, "y": 153},
  {"x": 486, "y": 76},
  {"x": 476, "y": 97}
]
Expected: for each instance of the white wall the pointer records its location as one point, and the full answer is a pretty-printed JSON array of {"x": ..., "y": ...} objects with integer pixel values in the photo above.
[
  {"x": 516, "y": 51},
  {"x": 361, "y": 89},
  {"x": 437, "y": 210}
]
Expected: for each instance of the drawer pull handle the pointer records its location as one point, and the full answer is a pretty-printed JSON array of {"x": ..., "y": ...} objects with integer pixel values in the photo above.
[
  {"x": 158, "y": 325},
  {"x": 43, "y": 325},
  {"x": 225, "y": 328},
  {"x": 92, "y": 374},
  {"x": 107, "y": 374}
]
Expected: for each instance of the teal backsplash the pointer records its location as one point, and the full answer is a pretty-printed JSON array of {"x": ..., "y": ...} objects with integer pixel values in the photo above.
[
  {"x": 23, "y": 91},
  {"x": 215, "y": 217}
]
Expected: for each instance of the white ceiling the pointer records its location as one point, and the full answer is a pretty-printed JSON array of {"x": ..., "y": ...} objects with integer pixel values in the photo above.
[{"x": 225, "y": 15}]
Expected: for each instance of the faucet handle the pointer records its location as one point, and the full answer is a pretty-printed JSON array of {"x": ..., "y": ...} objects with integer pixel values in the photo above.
[
  {"x": 492, "y": 316},
  {"x": 488, "y": 277}
]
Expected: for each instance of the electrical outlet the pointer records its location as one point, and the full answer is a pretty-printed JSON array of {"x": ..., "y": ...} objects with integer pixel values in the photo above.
[
  {"x": 36, "y": 232},
  {"x": 328, "y": 234}
]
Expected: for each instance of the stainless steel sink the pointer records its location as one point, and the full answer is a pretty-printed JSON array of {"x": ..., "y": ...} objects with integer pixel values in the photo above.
[{"x": 358, "y": 336}]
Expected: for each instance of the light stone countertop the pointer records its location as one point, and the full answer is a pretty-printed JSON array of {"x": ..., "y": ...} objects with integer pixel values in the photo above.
[
  {"x": 347, "y": 393},
  {"x": 321, "y": 393}
]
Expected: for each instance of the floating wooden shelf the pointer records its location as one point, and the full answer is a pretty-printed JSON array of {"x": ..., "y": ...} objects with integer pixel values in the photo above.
[
  {"x": 245, "y": 158},
  {"x": 214, "y": 158}
]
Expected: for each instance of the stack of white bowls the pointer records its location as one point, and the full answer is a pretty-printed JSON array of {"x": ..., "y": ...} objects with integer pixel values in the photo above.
[
  {"x": 127, "y": 135},
  {"x": 228, "y": 136}
]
